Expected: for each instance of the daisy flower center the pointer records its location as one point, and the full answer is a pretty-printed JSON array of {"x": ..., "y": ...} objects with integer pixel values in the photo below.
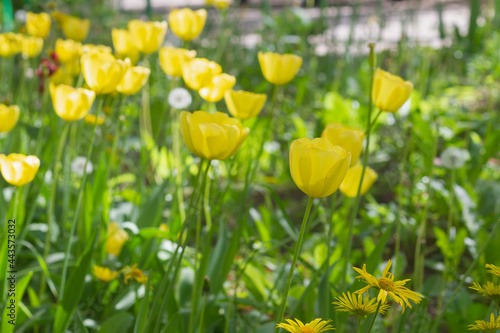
[
  {"x": 306, "y": 329},
  {"x": 386, "y": 284}
]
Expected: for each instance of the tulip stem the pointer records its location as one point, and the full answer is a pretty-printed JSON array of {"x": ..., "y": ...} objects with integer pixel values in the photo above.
[
  {"x": 198, "y": 195},
  {"x": 296, "y": 252},
  {"x": 354, "y": 212},
  {"x": 374, "y": 316},
  {"x": 52, "y": 199},
  {"x": 76, "y": 214}
]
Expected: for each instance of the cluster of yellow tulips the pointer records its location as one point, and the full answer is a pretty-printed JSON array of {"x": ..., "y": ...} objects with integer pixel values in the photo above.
[{"x": 319, "y": 166}]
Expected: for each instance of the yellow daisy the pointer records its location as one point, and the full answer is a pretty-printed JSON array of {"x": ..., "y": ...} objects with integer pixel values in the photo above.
[
  {"x": 487, "y": 326},
  {"x": 493, "y": 269},
  {"x": 488, "y": 290},
  {"x": 388, "y": 287},
  {"x": 104, "y": 273},
  {"x": 357, "y": 306},
  {"x": 133, "y": 273},
  {"x": 316, "y": 326}
]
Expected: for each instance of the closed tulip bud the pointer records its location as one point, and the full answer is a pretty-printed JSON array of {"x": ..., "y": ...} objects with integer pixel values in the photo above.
[
  {"x": 31, "y": 46},
  {"x": 172, "y": 60},
  {"x": 186, "y": 23},
  {"x": 133, "y": 80},
  {"x": 148, "y": 36},
  {"x": 317, "y": 166},
  {"x": 215, "y": 91},
  {"x": 244, "y": 104},
  {"x": 278, "y": 68},
  {"x": 38, "y": 25},
  {"x": 124, "y": 45},
  {"x": 19, "y": 169},
  {"x": 199, "y": 72},
  {"x": 213, "y": 136},
  {"x": 102, "y": 71},
  {"x": 389, "y": 91},
  {"x": 349, "y": 186},
  {"x": 348, "y": 138},
  {"x": 68, "y": 50},
  {"x": 75, "y": 28},
  {"x": 10, "y": 44},
  {"x": 91, "y": 48},
  {"x": 116, "y": 239},
  {"x": 9, "y": 115},
  {"x": 71, "y": 103}
]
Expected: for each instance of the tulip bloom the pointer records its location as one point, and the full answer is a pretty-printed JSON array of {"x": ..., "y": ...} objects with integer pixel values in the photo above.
[
  {"x": 10, "y": 44},
  {"x": 186, "y": 23},
  {"x": 67, "y": 50},
  {"x": 31, "y": 46},
  {"x": 133, "y": 80},
  {"x": 103, "y": 72},
  {"x": 9, "y": 115},
  {"x": 278, "y": 68},
  {"x": 213, "y": 136},
  {"x": 172, "y": 60},
  {"x": 75, "y": 28},
  {"x": 92, "y": 48},
  {"x": 348, "y": 138},
  {"x": 148, "y": 36},
  {"x": 199, "y": 72},
  {"x": 317, "y": 166},
  {"x": 71, "y": 103},
  {"x": 38, "y": 25},
  {"x": 349, "y": 186},
  {"x": 244, "y": 104},
  {"x": 19, "y": 169},
  {"x": 124, "y": 45},
  {"x": 389, "y": 91},
  {"x": 116, "y": 239},
  {"x": 214, "y": 92}
]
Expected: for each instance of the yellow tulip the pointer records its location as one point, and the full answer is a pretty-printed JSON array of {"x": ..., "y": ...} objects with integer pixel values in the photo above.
[
  {"x": 116, "y": 238},
  {"x": 31, "y": 46},
  {"x": 389, "y": 91},
  {"x": 102, "y": 71},
  {"x": 71, "y": 103},
  {"x": 133, "y": 80},
  {"x": 64, "y": 74},
  {"x": 105, "y": 274},
  {"x": 124, "y": 45},
  {"x": 75, "y": 28},
  {"x": 91, "y": 48},
  {"x": 93, "y": 120},
  {"x": 349, "y": 186},
  {"x": 186, "y": 23},
  {"x": 220, "y": 4},
  {"x": 244, "y": 104},
  {"x": 348, "y": 138},
  {"x": 213, "y": 136},
  {"x": 215, "y": 91},
  {"x": 38, "y": 25},
  {"x": 317, "y": 166},
  {"x": 9, "y": 115},
  {"x": 19, "y": 169},
  {"x": 147, "y": 36},
  {"x": 198, "y": 72},
  {"x": 278, "y": 68},
  {"x": 68, "y": 50},
  {"x": 172, "y": 59},
  {"x": 10, "y": 44}
]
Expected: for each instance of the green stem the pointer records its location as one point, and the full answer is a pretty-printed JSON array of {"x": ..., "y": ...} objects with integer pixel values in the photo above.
[
  {"x": 296, "y": 252},
  {"x": 374, "y": 316},
  {"x": 176, "y": 143},
  {"x": 358, "y": 324},
  {"x": 78, "y": 203},
  {"x": 184, "y": 245},
  {"x": 354, "y": 213},
  {"x": 329, "y": 253},
  {"x": 52, "y": 200},
  {"x": 203, "y": 313}
]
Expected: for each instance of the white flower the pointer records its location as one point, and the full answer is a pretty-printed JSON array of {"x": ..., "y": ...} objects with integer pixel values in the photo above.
[
  {"x": 20, "y": 15},
  {"x": 454, "y": 158},
  {"x": 78, "y": 164},
  {"x": 179, "y": 98}
]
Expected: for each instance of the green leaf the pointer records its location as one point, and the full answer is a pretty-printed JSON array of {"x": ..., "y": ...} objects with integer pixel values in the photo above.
[
  {"x": 142, "y": 317},
  {"x": 8, "y": 322},
  {"x": 117, "y": 323},
  {"x": 74, "y": 289}
]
